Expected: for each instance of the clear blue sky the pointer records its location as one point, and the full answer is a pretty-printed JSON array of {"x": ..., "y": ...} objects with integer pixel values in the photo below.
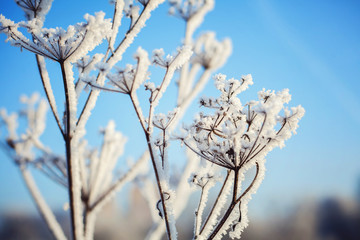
[{"x": 310, "y": 47}]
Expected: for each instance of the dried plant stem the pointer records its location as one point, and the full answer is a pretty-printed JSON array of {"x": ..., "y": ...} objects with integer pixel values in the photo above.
[
  {"x": 74, "y": 211},
  {"x": 161, "y": 192},
  {"x": 48, "y": 90},
  {"x": 216, "y": 201},
  {"x": 152, "y": 157},
  {"x": 235, "y": 200},
  {"x": 130, "y": 175},
  {"x": 115, "y": 57},
  {"x": 198, "y": 213},
  {"x": 42, "y": 206}
]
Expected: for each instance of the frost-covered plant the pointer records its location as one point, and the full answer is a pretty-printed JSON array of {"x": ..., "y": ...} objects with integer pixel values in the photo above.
[
  {"x": 234, "y": 137},
  {"x": 98, "y": 182},
  {"x": 237, "y": 137},
  {"x": 28, "y": 150},
  {"x": 68, "y": 47}
]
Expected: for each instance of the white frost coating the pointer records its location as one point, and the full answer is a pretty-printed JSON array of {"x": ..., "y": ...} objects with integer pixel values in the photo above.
[
  {"x": 41, "y": 204},
  {"x": 193, "y": 12},
  {"x": 85, "y": 66},
  {"x": 192, "y": 95},
  {"x": 129, "y": 38},
  {"x": 83, "y": 169},
  {"x": 169, "y": 196},
  {"x": 183, "y": 189},
  {"x": 36, "y": 7},
  {"x": 233, "y": 221},
  {"x": 238, "y": 227},
  {"x": 56, "y": 43},
  {"x": 137, "y": 107},
  {"x": 116, "y": 57},
  {"x": 71, "y": 95},
  {"x": 197, "y": 18},
  {"x": 204, "y": 179},
  {"x": 94, "y": 164},
  {"x": 75, "y": 168},
  {"x": 11, "y": 121},
  {"x": 240, "y": 136},
  {"x": 40, "y": 119},
  {"x": 211, "y": 53},
  {"x": 130, "y": 175},
  {"x": 76, "y": 190},
  {"x": 97, "y": 28},
  {"x": 184, "y": 55},
  {"x": 186, "y": 84},
  {"x": 149, "y": 192},
  {"x": 23, "y": 147},
  {"x": 90, "y": 225},
  {"x": 119, "y": 6},
  {"x": 134, "y": 14},
  {"x": 142, "y": 67},
  {"x": 47, "y": 87},
  {"x": 112, "y": 149},
  {"x": 219, "y": 205}
]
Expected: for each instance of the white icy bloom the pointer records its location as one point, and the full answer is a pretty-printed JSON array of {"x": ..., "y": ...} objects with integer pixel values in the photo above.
[
  {"x": 85, "y": 65},
  {"x": 126, "y": 80},
  {"x": 204, "y": 177},
  {"x": 102, "y": 67},
  {"x": 231, "y": 87},
  {"x": 141, "y": 74},
  {"x": 189, "y": 8},
  {"x": 35, "y": 8},
  {"x": 162, "y": 121},
  {"x": 23, "y": 146},
  {"x": 56, "y": 43},
  {"x": 122, "y": 81},
  {"x": 83, "y": 62},
  {"x": 102, "y": 163},
  {"x": 11, "y": 122},
  {"x": 238, "y": 137},
  {"x": 127, "y": 7},
  {"x": 158, "y": 58},
  {"x": 183, "y": 54},
  {"x": 210, "y": 53},
  {"x": 150, "y": 86}
]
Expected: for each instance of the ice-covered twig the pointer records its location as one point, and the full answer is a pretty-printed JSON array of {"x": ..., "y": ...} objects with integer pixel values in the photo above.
[
  {"x": 131, "y": 174},
  {"x": 21, "y": 151},
  {"x": 35, "y": 8},
  {"x": 44, "y": 75},
  {"x": 42, "y": 206},
  {"x": 116, "y": 22},
  {"x": 115, "y": 57}
]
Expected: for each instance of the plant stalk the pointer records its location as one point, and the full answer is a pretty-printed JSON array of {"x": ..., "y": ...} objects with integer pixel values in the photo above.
[{"x": 68, "y": 138}]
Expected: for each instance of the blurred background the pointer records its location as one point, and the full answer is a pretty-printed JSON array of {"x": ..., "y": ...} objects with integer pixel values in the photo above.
[{"x": 312, "y": 186}]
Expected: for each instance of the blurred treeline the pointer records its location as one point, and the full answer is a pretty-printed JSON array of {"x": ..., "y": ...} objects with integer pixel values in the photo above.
[{"x": 331, "y": 218}]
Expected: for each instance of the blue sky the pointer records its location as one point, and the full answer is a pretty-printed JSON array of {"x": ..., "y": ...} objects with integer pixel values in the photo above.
[{"x": 310, "y": 47}]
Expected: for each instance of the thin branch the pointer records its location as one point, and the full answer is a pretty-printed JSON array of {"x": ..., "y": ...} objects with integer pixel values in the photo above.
[
  {"x": 42, "y": 206},
  {"x": 48, "y": 90},
  {"x": 74, "y": 211},
  {"x": 113, "y": 59},
  {"x": 234, "y": 202},
  {"x": 119, "y": 183},
  {"x": 216, "y": 201}
]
